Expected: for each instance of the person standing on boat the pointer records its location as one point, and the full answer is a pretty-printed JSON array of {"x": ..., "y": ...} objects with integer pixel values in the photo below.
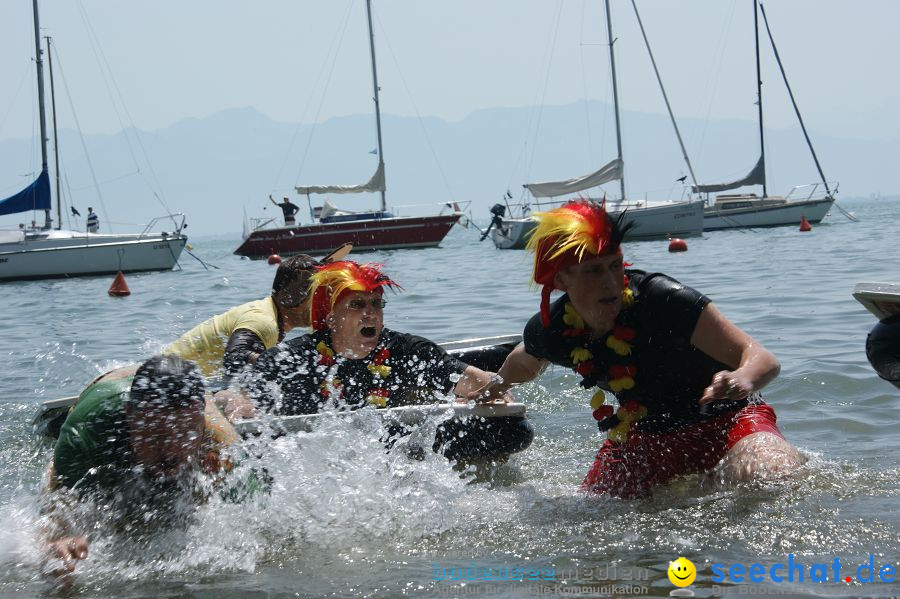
[
  {"x": 93, "y": 221},
  {"x": 289, "y": 210},
  {"x": 685, "y": 378},
  {"x": 134, "y": 440},
  {"x": 226, "y": 343},
  {"x": 351, "y": 360}
]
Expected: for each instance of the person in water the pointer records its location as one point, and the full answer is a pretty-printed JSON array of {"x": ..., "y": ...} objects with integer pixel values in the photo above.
[
  {"x": 134, "y": 433},
  {"x": 226, "y": 343},
  {"x": 351, "y": 359},
  {"x": 685, "y": 378}
]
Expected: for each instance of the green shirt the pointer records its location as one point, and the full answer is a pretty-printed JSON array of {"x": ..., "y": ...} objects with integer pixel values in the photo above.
[
  {"x": 94, "y": 450},
  {"x": 93, "y": 446}
]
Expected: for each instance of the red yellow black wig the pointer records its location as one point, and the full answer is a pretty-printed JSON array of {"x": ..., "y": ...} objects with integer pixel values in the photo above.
[
  {"x": 569, "y": 235},
  {"x": 335, "y": 279}
]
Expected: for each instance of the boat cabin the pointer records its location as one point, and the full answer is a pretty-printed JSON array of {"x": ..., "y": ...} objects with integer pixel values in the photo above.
[
  {"x": 745, "y": 200},
  {"x": 329, "y": 213}
]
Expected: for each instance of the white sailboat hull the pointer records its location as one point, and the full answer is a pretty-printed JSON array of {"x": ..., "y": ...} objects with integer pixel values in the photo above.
[
  {"x": 789, "y": 213},
  {"x": 44, "y": 253},
  {"x": 676, "y": 219},
  {"x": 88, "y": 254}
]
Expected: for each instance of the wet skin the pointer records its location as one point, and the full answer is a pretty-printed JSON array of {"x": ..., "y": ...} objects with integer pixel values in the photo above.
[
  {"x": 166, "y": 441},
  {"x": 595, "y": 288},
  {"x": 356, "y": 322}
]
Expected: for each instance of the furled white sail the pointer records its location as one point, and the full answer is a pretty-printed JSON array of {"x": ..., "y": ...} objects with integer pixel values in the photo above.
[
  {"x": 756, "y": 177},
  {"x": 376, "y": 183},
  {"x": 551, "y": 189}
]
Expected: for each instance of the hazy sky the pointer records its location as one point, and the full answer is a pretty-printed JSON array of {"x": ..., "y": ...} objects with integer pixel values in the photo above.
[{"x": 171, "y": 60}]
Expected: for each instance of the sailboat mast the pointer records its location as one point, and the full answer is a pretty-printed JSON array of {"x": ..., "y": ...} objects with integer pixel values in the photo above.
[
  {"x": 612, "y": 64},
  {"x": 377, "y": 104},
  {"x": 40, "y": 81},
  {"x": 762, "y": 144},
  {"x": 55, "y": 137}
]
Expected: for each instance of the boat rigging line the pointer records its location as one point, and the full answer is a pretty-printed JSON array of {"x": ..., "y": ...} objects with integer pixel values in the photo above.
[
  {"x": 12, "y": 101},
  {"x": 206, "y": 265},
  {"x": 339, "y": 39},
  {"x": 664, "y": 95},
  {"x": 108, "y": 77},
  {"x": 55, "y": 131},
  {"x": 797, "y": 111},
  {"x": 335, "y": 44},
  {"x": 87, "y": 157},
  {"x": 416, "y": 109},
  {"x": 540, "y": 111}
]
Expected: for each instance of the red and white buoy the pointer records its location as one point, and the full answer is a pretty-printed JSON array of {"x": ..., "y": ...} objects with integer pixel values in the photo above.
[
  {"x": 119, "y": 287},
  {"x": 677, "y": 245},
  {"x": 274, "y": 259},
  {"x": 804, "y": 224}
]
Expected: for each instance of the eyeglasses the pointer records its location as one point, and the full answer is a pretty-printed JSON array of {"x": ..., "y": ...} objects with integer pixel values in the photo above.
[{"x": 377, "y": 303}]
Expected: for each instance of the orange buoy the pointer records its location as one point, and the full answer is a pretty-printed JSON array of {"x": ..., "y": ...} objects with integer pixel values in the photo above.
[
  {"x": 677, "y": 245},
  {"x": 804, "y": 224},
  {"x": 274, "y": 259},
  {"x": 119, "y": 287}
]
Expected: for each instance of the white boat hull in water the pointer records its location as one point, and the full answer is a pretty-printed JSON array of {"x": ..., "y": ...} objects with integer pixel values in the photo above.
[
  {"x": 71, "y": 254},
  {"x": 881, "y": 299},
  {"x": 677, "y": 219},
  {"x": 761, "y": 215}
]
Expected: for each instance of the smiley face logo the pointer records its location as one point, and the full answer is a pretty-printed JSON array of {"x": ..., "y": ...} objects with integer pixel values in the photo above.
[{"x": 682, "y": 572}]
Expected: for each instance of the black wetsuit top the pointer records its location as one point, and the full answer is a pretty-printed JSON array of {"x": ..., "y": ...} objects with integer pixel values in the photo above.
[
  {"x": 289, "y": 209},
  {"x": 288, "y": 379},
  {"x": 671, "y": 373}
]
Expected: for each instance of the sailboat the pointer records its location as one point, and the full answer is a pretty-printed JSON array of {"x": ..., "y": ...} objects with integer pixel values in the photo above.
[
  {"x": 749, "y": 210},
  {"x": 43, "y": 252},
  {"x": 332, "y": 227},
  {"x": 660, "y": 220}
]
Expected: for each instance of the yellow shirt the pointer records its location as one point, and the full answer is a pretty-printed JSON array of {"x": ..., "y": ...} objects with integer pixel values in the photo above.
[{"x": 205, "y": 344}]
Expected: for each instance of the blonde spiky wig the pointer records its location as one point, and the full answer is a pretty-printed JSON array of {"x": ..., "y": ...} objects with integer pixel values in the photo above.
[
  {"x": 568, "y": 235},
  {"x": 332, "y": 281}
]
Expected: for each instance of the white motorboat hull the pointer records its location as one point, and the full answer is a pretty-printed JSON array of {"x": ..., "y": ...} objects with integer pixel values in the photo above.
[
  {"x": 881, "y": 299},
  {"x": 790, "y": 213},
  {"x": 677, "y": 219},
  {"x": 88, "y": 254},
  {"x": 512, "y": 234}
]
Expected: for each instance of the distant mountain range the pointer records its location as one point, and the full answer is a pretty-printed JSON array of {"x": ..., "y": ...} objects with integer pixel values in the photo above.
[{"x": 215, "y": 167}]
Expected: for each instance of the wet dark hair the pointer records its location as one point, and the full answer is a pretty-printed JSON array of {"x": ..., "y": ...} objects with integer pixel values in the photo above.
[
  {"x": 620, "y": 225},
  {"x": 296, "y": 269},
  {"x": 169, "y": 381}
]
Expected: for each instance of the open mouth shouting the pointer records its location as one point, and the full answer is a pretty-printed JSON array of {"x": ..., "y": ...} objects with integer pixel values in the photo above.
[{"x": 357, "y": 322}]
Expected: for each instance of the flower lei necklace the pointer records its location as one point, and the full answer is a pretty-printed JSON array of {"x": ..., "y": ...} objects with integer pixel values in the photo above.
[
  {"x": 621, "y": 375},
  {"x": 378, "y": 393}
]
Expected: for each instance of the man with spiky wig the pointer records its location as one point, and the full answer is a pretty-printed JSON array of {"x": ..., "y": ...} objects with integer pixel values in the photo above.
[{"x": 351, "y": 359}]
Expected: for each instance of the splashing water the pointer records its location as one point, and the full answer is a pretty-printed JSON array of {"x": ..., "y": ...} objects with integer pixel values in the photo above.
[{"x": 345, "y": 518}]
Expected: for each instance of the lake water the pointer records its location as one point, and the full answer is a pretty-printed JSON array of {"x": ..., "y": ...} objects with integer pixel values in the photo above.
[{"x": 344, "y": 519}]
